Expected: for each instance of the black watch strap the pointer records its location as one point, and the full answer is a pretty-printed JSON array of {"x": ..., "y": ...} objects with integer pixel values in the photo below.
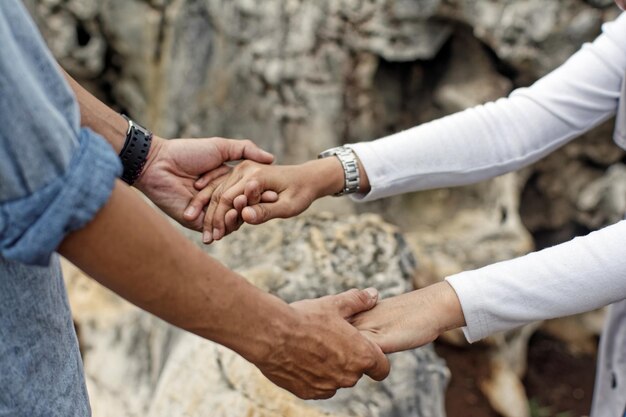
[{"x": 135, "y": 151}]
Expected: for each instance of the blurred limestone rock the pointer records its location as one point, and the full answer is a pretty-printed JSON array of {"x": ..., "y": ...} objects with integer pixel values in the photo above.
[
  {"x": 576, "y": 190},
  {"x": 295, "y": 74},
  {"x": 137, "y": 365},
  {"x": 605, "y": 198},
  {"x": 533, "y": 36},
  {"x": 310, "y": 256},
  {"x": 580, "y": 332}
]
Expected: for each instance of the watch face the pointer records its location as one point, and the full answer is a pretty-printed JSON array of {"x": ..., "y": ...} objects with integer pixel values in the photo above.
[{"x": 329, "y": 152}]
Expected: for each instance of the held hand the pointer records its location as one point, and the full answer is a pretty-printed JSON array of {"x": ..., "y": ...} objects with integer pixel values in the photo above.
[
  {"x": 256, "y": 193},
  {"x": 413, "y": 319},
  {"x": 174, "y": 165},
  {"x": 321, "y": 352}
]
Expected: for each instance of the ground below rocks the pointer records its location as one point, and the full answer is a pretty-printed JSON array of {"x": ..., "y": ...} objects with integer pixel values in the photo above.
[{"x": 558, "y": 382}]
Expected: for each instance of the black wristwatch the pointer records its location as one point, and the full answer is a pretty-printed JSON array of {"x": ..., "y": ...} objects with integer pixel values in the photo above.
[{"x": 135, "y": 151}]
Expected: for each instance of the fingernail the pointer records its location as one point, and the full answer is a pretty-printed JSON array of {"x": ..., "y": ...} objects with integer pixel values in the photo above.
[
  {"x": 207, "y": 237},
  {"x": 373, "y": 293},
  {"x": 190, "y": 211},
  {"x": 216, "y": 234}
]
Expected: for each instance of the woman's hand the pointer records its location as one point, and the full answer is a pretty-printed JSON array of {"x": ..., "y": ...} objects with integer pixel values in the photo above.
[
  {"x": 413, "y": 319},
  {"x": 255, "y": 193}
]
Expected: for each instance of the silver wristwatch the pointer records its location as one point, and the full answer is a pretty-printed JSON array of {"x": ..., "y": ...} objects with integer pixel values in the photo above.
[{"x": 350, "y": 164}]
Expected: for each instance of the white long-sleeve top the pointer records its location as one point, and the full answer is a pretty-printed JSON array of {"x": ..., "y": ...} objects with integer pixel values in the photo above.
[{"x": 503, "y": 136}]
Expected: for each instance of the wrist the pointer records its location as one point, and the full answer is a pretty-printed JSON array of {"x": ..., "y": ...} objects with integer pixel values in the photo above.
[
  {"x": 144, "y": 181},
  {"x": 329, "y": 176},
  {"x": 447, "y": 306},
  {"x": 271, "y": 335},
  {"x": 334, "y": 174}
]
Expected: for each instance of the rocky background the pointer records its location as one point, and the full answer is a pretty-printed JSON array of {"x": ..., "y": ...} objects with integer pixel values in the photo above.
[{"x": 299, "y": 76}]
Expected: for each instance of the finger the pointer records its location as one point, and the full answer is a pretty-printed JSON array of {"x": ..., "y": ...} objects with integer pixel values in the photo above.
[
  {"x": 253, "y": 191},
  {"x": 210, "y": 213},
  {"x": 324, "y": 395},
  {"x": 382, "y": 340},
  {"x": 225, "y": 204},
  {"x": 380, "y": 368},
  {"x": 199, "y": 201},
  {"x": 269, "y": 197},
  {"x": 233, "y": 150},
  {"x": 231, "y": 221},
  {"x": 355, "y": 301},
  {"x": 262, "y": 212},
  {"x": 209, "y": 176},
  {"x": 240, "y": 202}
]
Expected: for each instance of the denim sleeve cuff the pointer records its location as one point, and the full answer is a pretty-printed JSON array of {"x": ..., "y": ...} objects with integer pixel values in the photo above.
[{"x": 31, "y": 228}]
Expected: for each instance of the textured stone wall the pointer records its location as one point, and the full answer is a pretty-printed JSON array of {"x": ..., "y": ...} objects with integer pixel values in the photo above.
[{"x": 298, "y": 76}]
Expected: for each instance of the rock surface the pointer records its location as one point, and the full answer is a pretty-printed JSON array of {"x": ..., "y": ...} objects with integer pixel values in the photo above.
[{"x": 139, "y": 366}]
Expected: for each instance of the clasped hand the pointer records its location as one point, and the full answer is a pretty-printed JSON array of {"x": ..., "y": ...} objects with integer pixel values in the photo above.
[
  {"x": 334, "y": 340},
  {"x": 255, "y": 193}
]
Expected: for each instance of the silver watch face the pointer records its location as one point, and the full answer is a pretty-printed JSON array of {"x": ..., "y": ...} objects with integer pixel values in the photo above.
[{"x": 330, "y": 152}]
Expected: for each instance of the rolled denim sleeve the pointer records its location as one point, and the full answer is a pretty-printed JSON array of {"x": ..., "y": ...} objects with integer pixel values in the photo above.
[{"x": 54, "y": 176}]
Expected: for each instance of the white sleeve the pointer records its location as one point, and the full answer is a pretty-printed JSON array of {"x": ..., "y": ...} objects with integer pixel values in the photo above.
[
  {"x": 502, "y": 136},
  {"x": 581, "y": 275}
]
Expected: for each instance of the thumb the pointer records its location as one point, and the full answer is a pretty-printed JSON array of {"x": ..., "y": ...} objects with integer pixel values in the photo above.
[
  {"x": 245, "y": 149},
  {"x": 355, "y": 301},
  {"x": 262, "y": 212},
  {"x": 381, "y": 367}
]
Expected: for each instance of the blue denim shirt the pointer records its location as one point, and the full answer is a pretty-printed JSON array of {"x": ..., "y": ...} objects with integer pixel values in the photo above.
[{"x": 54, "y": 178}]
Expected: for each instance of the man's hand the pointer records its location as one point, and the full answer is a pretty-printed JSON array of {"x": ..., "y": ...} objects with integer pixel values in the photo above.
[
  {"x": 413, "y": 319},
  {"x": 320, "y": 351},
  {"x": 256, "y": 193},
  {"x": 174, "y": 165}
]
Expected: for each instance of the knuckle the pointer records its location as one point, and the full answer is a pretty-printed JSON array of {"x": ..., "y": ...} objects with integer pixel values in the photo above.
[
  {"x": 263, "y": 211},
  {"x": 217, "y": 195},
  {"x": 351, "y": 381},
  {"x": 369, "y": 361},
  {"x": 304, "y": 394},
  {"x": 361, "y": 296},
  {"x": 327, "y": 394},
  {"x": 244, "y": 165},
  {"x": 348, "y": 297},
  {"x": 353, "y": 292},
  {"x": 227, "y": 197}
]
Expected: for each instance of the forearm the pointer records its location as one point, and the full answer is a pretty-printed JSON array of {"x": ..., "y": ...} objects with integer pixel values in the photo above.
[
  {"x": 135, "y": 252},
  {"x": 580, "y": 275},
  {"x": 99, "y": 117}
]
